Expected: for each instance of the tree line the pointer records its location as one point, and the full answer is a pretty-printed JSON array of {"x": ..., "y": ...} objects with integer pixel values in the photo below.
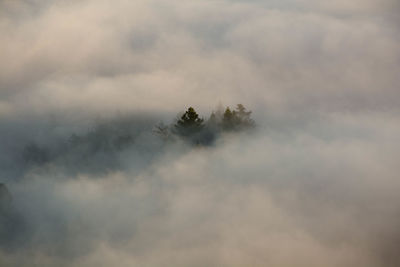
[
  {"x": 103, "y": 142},
  {"x": 191, "y": 127}
]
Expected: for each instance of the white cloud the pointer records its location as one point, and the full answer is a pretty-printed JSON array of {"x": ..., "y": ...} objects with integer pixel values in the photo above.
[{"x": 315, "y": 186}]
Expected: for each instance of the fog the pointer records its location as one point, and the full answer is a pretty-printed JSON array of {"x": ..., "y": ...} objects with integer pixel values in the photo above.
[{"x": 83, "y": 83}]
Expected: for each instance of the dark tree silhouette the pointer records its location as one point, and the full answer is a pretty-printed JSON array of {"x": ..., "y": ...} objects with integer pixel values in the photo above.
[
  {"x": 243, "y": 117},
  {"x": 238, "y": 119},
  {"x": 212, "y": 121},
  {"x": 189, "y": 123},
  {"x": 229, "y": 120},
  {"x": 162, "y": 131},
  {"x": 194, "y": 129}
]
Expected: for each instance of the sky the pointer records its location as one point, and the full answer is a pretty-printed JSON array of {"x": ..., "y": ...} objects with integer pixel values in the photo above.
[{"x": 316, "y": 184}]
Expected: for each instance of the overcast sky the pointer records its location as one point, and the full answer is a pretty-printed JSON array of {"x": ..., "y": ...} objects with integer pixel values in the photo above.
[{"x": 316, "y": 185}]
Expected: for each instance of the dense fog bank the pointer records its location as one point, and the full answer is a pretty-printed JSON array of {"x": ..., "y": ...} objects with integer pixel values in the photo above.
[
  {"x": 85, "y": 181},
  {"x": 324, "y": 199}
]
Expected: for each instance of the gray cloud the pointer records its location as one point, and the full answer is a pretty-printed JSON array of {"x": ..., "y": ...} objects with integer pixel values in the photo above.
[
  {"x": 135, "y": 53},
  {"x": 316, "y": 185}
]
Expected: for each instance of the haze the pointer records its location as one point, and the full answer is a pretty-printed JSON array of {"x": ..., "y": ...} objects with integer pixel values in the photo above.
[{"x": 316, "y": 184}]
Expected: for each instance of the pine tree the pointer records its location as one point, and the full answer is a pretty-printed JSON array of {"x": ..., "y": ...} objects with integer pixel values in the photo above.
[
  {"x": 189, "y": 123},
  {"x": 243, "y": 117},
  {"x": 237, "y": 120},
  {"x": 228, "y": 119},
  {"x": 212, "y": 121}
]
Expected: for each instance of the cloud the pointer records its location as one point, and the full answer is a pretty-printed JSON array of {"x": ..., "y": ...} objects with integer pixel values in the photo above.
[
  {"x": 80, "y": 54},
  {"x": 250, "y": 200},
  {"x": 316, "y": 185}
]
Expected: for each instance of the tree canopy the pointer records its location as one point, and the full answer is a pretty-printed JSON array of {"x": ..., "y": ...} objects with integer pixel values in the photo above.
[
  {"x": 195, "y": 129},
  {"x": 189, "y": 123},
  {"x": 238, "y": 119}
]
